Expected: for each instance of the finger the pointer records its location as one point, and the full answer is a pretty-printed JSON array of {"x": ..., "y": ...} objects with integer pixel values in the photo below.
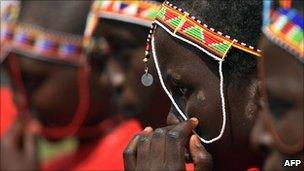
[
  {"x": 30, "y": 142},
  {"x": 182, "y": 130},
  {"x": 129, "y": 154},
  {"x": 175, "y": 144},
  {"x": 143, "y": 148},
  {"x": 201, "y": 158},
  {"x": 172, "y": 119},
  {"x": 157, "y": 149}
]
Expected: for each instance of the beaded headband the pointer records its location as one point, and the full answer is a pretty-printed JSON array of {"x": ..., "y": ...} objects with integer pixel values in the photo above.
[
  {"x": 191, "y": 30},
  {"x": 136, "y": 12},
  {"x": 41, "y": 43},
  {"x": 286, "y": 30},
  {"x": 187, "y": 28},
  {"x": 9, "y": 10}
]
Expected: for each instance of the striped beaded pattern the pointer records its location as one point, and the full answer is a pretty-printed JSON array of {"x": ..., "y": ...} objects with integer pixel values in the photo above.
[
  {"x": 286, "y": 30},
  {"x": 9, "y": 11},
  {"x": 188, "y": 27},
  {"x": 43, "y": 44},
  {"x": 137, "y": 12}
]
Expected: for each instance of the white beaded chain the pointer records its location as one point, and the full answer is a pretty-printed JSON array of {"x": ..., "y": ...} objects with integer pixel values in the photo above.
[{"x": 172, "y": 99}]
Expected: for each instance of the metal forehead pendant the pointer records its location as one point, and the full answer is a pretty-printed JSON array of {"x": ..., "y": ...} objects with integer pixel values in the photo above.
[{"x": 147, "y": 79}]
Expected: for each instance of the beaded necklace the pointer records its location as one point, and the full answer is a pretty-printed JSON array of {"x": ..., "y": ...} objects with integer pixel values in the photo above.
[
  {"x": 286, "y": 30},
  {"x": 187, "y": 28}
]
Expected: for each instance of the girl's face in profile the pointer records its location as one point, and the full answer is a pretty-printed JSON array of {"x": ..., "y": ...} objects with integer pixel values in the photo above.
[
  {"x": 192, "y": 77},
  {"x": 280, "y": 131}
]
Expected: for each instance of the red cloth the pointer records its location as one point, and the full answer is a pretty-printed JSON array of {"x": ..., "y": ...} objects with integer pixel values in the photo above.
[
  {"x": 253, "y": 169},
  {"x": 190, "y": 167},
  {"x": 8, "y": 111},
  {"x": 106, "y": 154}
]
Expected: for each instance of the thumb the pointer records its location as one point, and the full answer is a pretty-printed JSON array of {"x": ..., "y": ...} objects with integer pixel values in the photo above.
[{"x": 201, "y": 158}]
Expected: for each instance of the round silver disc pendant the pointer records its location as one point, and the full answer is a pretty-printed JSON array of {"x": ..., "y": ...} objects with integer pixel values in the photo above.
[{"x": 147, "y": 79}]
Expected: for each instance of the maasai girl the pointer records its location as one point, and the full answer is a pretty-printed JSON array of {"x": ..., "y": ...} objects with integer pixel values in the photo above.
[
  {"x": 206, "y": 62},
  {"x": 278, "y": 132},
  {"x": 57, "y": 75}
]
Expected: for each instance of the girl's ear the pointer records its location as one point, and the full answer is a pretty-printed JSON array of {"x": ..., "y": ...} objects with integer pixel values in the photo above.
[{"x": 115, "y": 73}]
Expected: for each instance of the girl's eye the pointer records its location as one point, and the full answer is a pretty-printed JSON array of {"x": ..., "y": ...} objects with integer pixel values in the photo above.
[
  {"x": 183, "y": 90},
  {"x": 278, "y": 106}
]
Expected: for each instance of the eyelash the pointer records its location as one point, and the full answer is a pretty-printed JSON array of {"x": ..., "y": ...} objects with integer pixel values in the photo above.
[{"x": 183, "y": 91}]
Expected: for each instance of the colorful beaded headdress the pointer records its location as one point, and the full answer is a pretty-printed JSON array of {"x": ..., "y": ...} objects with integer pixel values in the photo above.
[
  {"x": 136, "y": 12},
  {"x": 40, "y": 43},
  {"x": 187, "y": 28},
  {"x": 9, "y": 10},
  {"x": 285, "y": 29}
]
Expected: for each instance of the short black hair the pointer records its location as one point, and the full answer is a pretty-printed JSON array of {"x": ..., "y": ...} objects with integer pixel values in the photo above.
[{"x": 240, "y": 19}]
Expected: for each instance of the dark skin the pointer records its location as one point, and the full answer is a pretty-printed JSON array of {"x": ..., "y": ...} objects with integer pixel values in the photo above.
[
  {"x": 283, "y": 75},
  {"x": 209, "y": 115},
  {"x": 45, "y": 81},
  {"x": 52, "y": 81},
  {"x": 49, "y": 85},
  {"x": 125, "y": 68},
  {"x": 278, "y": 133},
  {"x": 192, "y": 77},
  {"x": 163, "y": 149}
]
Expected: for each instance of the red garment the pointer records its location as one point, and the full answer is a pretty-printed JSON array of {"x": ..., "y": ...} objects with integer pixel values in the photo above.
[
  {"x": 8, "y": 111},
  {"x": 253, "y": 169},
  {"x": 105, "y": 154}
]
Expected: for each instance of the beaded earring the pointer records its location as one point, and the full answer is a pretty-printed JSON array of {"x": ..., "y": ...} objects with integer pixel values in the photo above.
[{"x": 147, "y": 78}]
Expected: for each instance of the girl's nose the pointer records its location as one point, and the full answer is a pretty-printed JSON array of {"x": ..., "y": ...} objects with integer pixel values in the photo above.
[{"x": 260, "y": 138}]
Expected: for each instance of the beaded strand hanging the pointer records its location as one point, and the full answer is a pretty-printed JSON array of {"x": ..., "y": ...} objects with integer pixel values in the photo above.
[{"x": 185, "y": 27}]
